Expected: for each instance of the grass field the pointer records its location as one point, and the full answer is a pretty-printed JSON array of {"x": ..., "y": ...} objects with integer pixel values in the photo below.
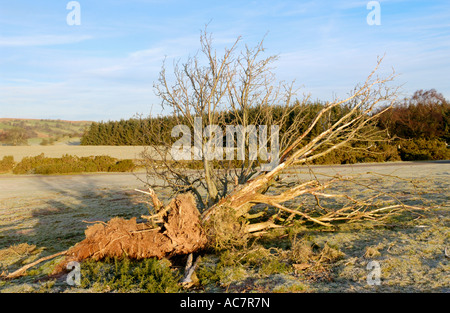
[{"x": 42, "y": 215}]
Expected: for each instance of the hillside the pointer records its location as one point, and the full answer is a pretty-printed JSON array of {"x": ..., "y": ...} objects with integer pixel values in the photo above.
[{"x": 20, "y": 132}]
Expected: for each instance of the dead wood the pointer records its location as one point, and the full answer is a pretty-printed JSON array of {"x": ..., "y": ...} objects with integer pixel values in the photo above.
[
  {"x": 21, "y": 271},
  {"x": 187, "y": 280},
  {"x": 157, "y": 204}
]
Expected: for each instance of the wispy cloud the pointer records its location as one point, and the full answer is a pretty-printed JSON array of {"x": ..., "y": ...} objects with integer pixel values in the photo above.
[
  {"x": 42, "y": 40},
  {"x": 76, "y": 99}
]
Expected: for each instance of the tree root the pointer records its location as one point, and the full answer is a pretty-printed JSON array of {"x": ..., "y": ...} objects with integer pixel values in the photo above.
[{"x": 181, "y": 233}]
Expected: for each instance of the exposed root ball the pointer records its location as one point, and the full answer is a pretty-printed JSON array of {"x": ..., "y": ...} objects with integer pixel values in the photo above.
[{"x": 181, "y": 233}]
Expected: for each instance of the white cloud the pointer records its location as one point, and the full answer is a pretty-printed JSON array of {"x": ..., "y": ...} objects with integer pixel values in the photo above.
[{"x": 41, "y": 40}]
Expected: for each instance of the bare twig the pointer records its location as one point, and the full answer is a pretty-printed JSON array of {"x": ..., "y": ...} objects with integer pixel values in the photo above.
[
  {"x": 156, "y": 203},
  {"x": 22, "y": 270}
]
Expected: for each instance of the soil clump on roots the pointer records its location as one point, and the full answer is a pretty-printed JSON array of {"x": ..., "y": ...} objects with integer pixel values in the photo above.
[{"x": 180, "y": 233}]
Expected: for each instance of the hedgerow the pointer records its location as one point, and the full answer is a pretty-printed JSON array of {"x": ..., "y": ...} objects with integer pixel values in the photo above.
[{"x": 71, "y": 164}]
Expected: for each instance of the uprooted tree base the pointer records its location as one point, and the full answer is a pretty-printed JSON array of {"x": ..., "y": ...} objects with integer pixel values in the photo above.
[{"x": 180, "y": 233}]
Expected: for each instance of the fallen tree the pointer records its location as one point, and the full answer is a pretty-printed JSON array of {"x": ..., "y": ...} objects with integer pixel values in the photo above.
[{"x": 221, "y": 204}]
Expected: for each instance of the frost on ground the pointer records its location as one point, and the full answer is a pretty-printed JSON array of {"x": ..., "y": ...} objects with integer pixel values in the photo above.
[{"x": 40, "y": 216}]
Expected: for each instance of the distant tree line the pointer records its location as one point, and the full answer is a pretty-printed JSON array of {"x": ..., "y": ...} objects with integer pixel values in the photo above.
[
  {"x": 420, "y": 126},
  {"x": 130, "y": 132},
  {"x": 150, "y": 131},
  {"x": 425, "y": 115},
  {"x": 416, "y": 128}
]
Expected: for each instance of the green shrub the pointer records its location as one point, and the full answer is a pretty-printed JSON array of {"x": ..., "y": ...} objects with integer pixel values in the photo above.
[
  {"x": 122, "y": 166},
  {"x": 125, "y": 275},
  {"x": 236, "y": 264},
  {"x": 274, "y": 266},
  {"x": 226, "y": 270},
  {"x": 424, "y": 149},
  {"x": 104, "y": 162},
  {"x": 376, "y": 152},
  {"x": 7, "y": 164},
  {"x": 71, "y": 164},
  {"x": 28, "y": 164}
]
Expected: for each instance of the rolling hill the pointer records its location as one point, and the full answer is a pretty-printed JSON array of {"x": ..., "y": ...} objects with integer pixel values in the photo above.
[{"x": 19, "y": 132}]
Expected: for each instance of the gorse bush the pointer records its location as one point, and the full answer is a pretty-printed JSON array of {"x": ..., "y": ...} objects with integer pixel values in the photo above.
[
  {"x": 376, "y": 152},
  {"x": 103, "y": 163},
  {"x": 29, "y": 163},
  {"x": 423, "y": 149},
  {"x": 7, "y": 164},
  {"x": 122, "y": 166},
  {"x": 71, "y": 164}
]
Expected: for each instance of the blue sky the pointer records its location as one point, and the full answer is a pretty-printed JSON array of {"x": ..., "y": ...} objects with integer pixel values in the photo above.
[{"x": 104, "y": 69}]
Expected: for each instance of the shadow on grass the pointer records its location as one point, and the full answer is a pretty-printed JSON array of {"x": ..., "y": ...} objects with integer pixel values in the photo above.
[{"x": 56, "y": 219}]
